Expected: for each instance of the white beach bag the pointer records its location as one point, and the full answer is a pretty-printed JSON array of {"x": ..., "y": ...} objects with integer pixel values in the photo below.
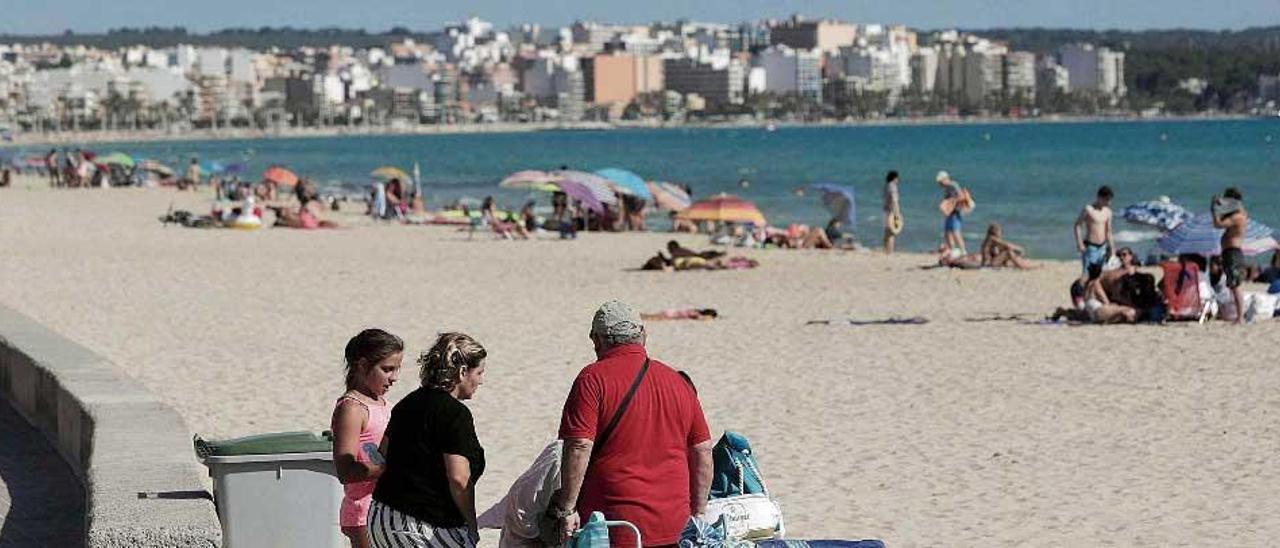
[{"x": 748, "y": 517}]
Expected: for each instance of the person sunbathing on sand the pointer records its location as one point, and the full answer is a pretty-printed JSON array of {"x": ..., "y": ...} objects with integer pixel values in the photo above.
[
  {"x": 677, "y": 251},
  {"x": 682, "y": 314},
  {"x": 308, "y": 214},
  {"x": 1000, "y": 253},
  {"x": 1099, "y": 307}
]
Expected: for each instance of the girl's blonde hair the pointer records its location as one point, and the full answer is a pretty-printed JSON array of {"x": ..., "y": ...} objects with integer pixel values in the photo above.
[{"x": 441, "y": 366}]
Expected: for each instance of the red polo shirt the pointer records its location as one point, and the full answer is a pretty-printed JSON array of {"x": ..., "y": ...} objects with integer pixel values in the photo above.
[{"x": 641, "y": 474}]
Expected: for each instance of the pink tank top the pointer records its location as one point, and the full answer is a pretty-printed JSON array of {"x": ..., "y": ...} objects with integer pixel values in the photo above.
[{"x": 374, "y": 428}]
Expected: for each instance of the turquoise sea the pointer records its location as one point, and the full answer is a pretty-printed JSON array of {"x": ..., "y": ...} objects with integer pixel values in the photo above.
[{"x": 1031, "y": 178}]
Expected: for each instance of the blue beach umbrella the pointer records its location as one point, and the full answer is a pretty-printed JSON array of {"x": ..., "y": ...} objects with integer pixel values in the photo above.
[
  {"x": 1197, "y": 235},
  {"x": 627, "y": 182},
  {"x": 839, "y": 201}
]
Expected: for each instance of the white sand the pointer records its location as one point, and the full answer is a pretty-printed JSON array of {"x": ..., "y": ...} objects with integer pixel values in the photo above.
[{"x": 956, "y": 432}]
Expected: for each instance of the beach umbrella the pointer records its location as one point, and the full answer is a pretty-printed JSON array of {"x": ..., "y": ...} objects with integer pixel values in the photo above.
[
  {"x": 1160, "y": 213},
  {"x": 212, "y": 167},
  {"x": 626, "y": 182},
  {"x": 581, "y": 193},
  {"x": 1197, "y": 235},
  {"x": 531, "y": 180},
  {"x": 839, "y": 201},
  {"x": 279, "y": 175},
  {"x": 389, "y": 172},
  {"x": 599, "y": 186},
  {"x": 669, "y": 196},
  {"x": 724, "y": 208},
  {"x": 155, "y": 167},
  {"x": 233, "y": 168},
  {"x": 116, "y": 158}
]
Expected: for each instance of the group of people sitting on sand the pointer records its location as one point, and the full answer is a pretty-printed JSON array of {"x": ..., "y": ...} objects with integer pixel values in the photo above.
[{"x": 1194, "y": 286}]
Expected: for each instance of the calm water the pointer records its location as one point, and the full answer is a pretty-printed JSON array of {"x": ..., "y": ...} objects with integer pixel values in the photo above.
[{"x": 1032, "y": 178}]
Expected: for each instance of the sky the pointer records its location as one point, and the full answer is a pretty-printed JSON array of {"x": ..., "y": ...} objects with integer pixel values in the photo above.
[{"x": 87, "y": 16}]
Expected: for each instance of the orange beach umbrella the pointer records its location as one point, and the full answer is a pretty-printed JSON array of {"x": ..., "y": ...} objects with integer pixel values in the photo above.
[
  {"x": 280, "y": 176},
  {"x": 723, "y": 208}
]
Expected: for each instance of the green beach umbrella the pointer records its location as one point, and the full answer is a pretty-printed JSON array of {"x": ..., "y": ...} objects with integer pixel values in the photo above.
[{"x": 116, "y": 158}]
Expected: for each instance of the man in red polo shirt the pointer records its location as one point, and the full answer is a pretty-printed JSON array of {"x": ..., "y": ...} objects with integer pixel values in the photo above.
[{"x": 653, "y": 468}]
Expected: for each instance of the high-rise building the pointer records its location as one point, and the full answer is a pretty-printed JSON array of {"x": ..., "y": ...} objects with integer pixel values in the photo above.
[
  {"x": 825, "y": 35},
  {"x": 983, "y": 75},
  {"x": 924, "y": 69},
  {"x": 1020, "y": 74},
  {"x": 719, "y": 84},
  {"x": 789, "y": 70},
  {"x": 1094, "y": 69},
  {"x": 620, "y": 78}
]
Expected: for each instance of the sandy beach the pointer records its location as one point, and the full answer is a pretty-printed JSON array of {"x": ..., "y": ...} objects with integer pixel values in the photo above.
[{"x": 959, "y": 432}]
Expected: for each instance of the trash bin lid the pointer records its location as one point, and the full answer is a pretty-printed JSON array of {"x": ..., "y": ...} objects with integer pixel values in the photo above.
[{"x": 266, "y": 444}]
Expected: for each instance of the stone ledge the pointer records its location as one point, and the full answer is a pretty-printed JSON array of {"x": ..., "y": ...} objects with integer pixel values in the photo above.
[{"x": 120, "y": 439}]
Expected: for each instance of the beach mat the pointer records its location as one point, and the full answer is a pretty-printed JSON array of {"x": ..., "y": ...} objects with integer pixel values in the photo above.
[
  {"x": 867, "y": 543},
  {"x": 915, "y": 320}
]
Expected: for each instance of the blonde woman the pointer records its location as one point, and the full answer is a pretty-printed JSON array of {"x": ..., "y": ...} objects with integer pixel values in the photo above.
[{"x": 426, "y": 494}]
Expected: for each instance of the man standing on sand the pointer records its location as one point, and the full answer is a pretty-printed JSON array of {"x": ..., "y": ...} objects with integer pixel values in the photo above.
[
  {"x": 636, "y": 444},
  {"x": 1229, "y": 215},
  {"x": 193, "y": 173},
  {"x": 953, "y": 220},
  {"x": 892, "y": 212},
  {"x": 1096, "y": 242}
]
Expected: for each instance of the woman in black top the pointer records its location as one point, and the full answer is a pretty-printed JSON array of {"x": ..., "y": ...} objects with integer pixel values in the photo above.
[{"x": 426, "y": 495}]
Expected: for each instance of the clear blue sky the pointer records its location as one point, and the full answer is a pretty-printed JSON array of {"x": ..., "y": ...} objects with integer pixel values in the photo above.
[{"x": 48, "y": 16}]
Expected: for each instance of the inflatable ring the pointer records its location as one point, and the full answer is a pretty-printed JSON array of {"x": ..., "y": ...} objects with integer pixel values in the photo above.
[
  {"x": 246, "y": 223},
  {"x": 895, "y": 224}
]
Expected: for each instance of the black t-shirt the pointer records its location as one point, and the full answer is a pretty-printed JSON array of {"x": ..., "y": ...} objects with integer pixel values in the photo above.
[{"x": 425, "y": 426}]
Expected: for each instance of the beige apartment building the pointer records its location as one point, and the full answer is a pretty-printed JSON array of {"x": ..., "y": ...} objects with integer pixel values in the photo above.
[{"x": 620, "y": 78}]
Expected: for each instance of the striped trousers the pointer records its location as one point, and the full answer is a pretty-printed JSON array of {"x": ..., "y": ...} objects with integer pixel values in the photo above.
[{"x": 390, "y": 528}]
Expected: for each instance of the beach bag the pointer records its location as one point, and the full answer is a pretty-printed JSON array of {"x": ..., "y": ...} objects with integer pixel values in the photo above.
[
  {"x": 747, "y": 517},
  {"x": 739, "y": 494},
  {"x": 1181, "y": 286}
]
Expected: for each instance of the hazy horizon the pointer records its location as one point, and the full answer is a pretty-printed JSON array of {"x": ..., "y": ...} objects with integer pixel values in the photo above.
[{"x": 29, "y": 17}]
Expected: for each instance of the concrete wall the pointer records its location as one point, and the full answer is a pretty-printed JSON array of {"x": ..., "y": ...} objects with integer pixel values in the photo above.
[{"x": 132, "y": 451}]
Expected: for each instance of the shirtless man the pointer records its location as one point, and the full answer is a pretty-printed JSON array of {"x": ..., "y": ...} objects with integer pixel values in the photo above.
[
  {"x": 1095, "y": 242},
  {"x": 1229, "y": 215}
]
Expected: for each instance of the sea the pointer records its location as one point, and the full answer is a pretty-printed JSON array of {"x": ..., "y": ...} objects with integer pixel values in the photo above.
[{"x": 1032, "y": 178}]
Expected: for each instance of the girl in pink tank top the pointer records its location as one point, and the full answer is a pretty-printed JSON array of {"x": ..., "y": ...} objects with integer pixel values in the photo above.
[{"x": 360, "y": 417}]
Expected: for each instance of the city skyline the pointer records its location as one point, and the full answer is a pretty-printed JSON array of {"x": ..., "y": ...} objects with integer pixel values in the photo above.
[{"x": 91, "y": 16}]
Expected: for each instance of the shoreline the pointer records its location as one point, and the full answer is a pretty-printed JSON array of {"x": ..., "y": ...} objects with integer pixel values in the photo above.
[{"x": 232, "y": 134}]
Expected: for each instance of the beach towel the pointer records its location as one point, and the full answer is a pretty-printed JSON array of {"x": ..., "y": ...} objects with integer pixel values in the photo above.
[
  {"x": 1181, "y": 286},
  {"x": 896, "y": 320}
]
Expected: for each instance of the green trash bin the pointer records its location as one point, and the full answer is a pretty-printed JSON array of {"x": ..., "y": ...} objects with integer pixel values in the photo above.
[{"x": 275, "y": 490}]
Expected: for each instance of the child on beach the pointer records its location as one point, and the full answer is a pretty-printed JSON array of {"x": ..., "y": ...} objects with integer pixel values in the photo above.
[
  {"x": 1095, "y": 242},
  {"x": 360, "y": 417}
]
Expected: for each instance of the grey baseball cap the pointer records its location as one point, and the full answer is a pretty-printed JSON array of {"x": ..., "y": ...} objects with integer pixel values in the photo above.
[{"x": 616, "y": 319}]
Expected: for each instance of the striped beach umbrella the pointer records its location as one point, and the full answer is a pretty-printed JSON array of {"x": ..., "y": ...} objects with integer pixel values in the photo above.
[
  {"x": 626, "y": 182},
  {"x": 156, "y": 167},
  {"x": 724, "y": 208},
  {"x": 580, "y": 193},
  {"x": 669, "y": 196},
  {"x": 1197, "y": 235},
  {"x": 599, "y": 186},
  {"x": 531, "y": 180}
]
